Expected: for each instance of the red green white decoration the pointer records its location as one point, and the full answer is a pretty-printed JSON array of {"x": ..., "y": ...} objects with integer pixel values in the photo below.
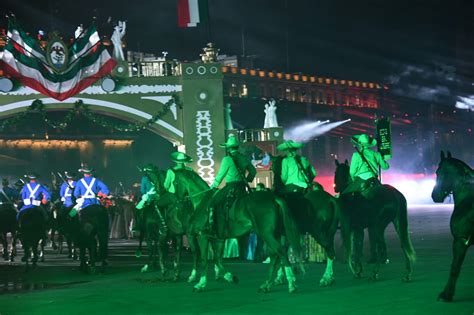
[
  {"x": 58, "y": 71},
  {"x": 192, "y": 12}
]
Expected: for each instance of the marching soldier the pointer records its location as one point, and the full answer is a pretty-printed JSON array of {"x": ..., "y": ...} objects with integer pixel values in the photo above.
[
  {"x": 34, "y": 195},
  {"x": 88, "y": 189}
]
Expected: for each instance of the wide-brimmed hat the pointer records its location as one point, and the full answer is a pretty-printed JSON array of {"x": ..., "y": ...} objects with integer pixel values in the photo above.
[
  {"x": 69, "y": 175},
  {"x": 232, "y": 142},
  {"x": 85, "y": 169},
  {"x": 147, "y": 168},
  {"x": 289, "y": 145},
  {"x": 31, "y": 176},
  {"x": 363, "y": 140},
  {"x": 180, "y": 157}
]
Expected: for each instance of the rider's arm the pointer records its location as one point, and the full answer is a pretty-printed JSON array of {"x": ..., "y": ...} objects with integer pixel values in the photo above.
[
  {"x": 251, "y": 171},
  {"x": 77, "y": 190},
  {"x": 284, "y": 170},
  {"x": 380, "y": 161},
  {"x": 169, "y": 180},
  {"x": 45, "y": 192},
  {"x": 222, "y": 172},
  {"x": 355, "y": 164},
  {"x": 307, "y": 166},
  {"x": 102, "y": 187}
]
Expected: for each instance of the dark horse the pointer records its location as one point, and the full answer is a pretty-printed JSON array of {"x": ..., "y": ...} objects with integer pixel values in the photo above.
[
  {"x": 66, "y": 227},
  {"x": 261, "y": 212},
  {"x": 374, "y": 209},
  {"x": 7, "y": 225},
  {"x": 316, "y": 214},
  {"x": 170, "y": 223},
  {"x": 93, "y": 229},
  {"x": 456, "y": 177},
  {"x": 33, "y": 229}
]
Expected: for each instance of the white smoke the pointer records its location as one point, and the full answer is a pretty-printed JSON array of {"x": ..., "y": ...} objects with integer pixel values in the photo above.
[{"x": 307, "y": 131}]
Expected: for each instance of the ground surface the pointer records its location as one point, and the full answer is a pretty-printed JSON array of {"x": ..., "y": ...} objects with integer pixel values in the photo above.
[{"x": 57, "y": 287}]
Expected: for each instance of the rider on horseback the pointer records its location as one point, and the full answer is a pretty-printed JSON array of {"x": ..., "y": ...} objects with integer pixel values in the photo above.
[
  {"x": 33, "y": 195},
  {"x": 297, "y": 174},
  {"x": 365, "y": 164},
  {"x": 9, "y": 194},
  {"x": 66, "y": 190},
  {"x": 238, "y": 171},
  {"x": 88, "y": 189}
]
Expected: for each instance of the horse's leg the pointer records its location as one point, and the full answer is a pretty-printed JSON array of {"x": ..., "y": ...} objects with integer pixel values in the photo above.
[
  {"x": 34, "y": 250},
  {"x": 460, "y": 247},
  {"x": 274, "y": 266},
  {"x": 42, "y": 244},
  {"x": 378, "y": 235},
  {"x": 219, "y": 253},
  {"x": 373, "y": 245},
  {"x": 150, "y": 249},
  {"x": 203, "y": 242},
  {"x": 278, "y": 250},
  {"x": 195, "y": 252},
  {"x": 177, "y": 256},
  {"x": 355, "y": 263},
  {"x": 328, "y": 276},
  {"x": 82, "y": 256},
  {"x": 53, "y": 233},
  {"x": 138, "y": 252},
  {"x": 5, "y": 245},
  {"x": 13, "y": 252},
  {"x": 161, "y": 247}
]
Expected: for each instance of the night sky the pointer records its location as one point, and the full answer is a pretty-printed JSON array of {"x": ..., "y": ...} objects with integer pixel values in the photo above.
[{"x": 413, "y": 45}]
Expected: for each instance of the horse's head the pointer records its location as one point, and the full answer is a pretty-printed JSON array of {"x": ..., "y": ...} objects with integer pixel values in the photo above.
[
  {"x": 342, "y": 176},
  {"x": 157, "y": 177},
  {"x": 276, "y": 169},
  {"x": 450, "y": 172}
]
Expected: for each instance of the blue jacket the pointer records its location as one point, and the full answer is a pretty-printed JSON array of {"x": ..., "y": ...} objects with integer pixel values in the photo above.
[
  {"x": 66, "y": 193},
  {"x": 32, "y": 194},
  {"x": 145, "y": 185},
  {"x": 90, "y": 197}
]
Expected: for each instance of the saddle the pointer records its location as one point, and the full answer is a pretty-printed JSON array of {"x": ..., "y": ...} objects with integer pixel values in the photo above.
[{"x": 370, "y": 183}]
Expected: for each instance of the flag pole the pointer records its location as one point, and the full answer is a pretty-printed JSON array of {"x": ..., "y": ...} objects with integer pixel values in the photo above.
[{"x": 209, "y": 34}]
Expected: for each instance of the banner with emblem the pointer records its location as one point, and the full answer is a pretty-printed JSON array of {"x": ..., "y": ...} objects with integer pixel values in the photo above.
[{"x": 58, "y": 70}]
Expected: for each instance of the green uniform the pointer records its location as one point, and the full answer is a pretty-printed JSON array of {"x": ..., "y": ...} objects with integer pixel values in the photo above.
[
  {"x": 359, "y": 167},
  {"x": 293, "y": 174},
  {"x": 230, "y": 173},
  {"x": 170, "y": 177}
]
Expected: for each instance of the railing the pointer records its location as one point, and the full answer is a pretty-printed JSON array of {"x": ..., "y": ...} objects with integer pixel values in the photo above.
[
  {"x": 253, "y": 135},
  {"x": 154, "y": 68}
]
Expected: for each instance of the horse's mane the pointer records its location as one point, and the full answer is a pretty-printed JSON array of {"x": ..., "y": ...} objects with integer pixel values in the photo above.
[
  {"x": 461, "y": 164},
  {"x": 192, "y": 177}
]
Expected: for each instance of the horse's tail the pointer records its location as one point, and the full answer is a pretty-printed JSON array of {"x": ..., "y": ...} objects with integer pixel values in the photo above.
[
  {"x": 401, "y": 225},
  {"x": 291, "y": 230}
]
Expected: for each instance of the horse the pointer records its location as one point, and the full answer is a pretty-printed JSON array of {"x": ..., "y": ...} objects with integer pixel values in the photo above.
[
  {"x": 262, "y": 211},
  {"x": 93, "y": 229},
  {"x": 374, "y": 209},
  {"x": 317, "y": 214},
  {"x": 456, "y": 177},
  {"x": 67, "y": 227},
  {"x": 8, "y": 224},
  {"x": 172, "y": 221},
  {"x": 33, "y": 231}
]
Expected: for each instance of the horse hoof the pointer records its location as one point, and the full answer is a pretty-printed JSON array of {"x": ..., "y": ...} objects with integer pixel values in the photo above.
[
  {"x": 264, "y": 289},
  {"x": 406, "y": 279},
  {"x": 144, "y": 269},
  {"x": 358, "y": 275},
  {"x": 92, "y": 270},
  {"x": 54, "y": 246},
  {"x": 235, "y": 280},
  {"x": 198, "y": 290},
  {"x": 374, "y": 277},
  {"x": 42, "y": 259},
  {"x": 326, "y": 282},
  {"x": 444, "y": 297},
  {"x": 292, "y": 289}
]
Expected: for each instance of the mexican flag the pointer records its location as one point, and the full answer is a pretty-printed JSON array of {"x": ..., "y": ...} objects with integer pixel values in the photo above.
[
  {"x": 58, "y": 71},
  {"x": 192, "y": 12}
]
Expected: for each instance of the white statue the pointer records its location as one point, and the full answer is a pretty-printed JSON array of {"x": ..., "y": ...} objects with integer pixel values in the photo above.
[
  {"x": 270, "y": 115},
  {"x": 79, "y": 32},
  {"x": 228, "y": 119},
  {"x": 119, "y": 32}
]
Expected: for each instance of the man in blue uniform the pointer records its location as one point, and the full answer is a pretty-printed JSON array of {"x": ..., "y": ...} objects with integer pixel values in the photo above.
[
  {"x": 34, "y": 195},
  {"x": 66, "y": 190},
  {"x": 9, "y": 194},
  {"x": 88, "y": 189}
]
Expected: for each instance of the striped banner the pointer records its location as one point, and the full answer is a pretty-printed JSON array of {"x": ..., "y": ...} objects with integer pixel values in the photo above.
[
  {"x": 192, "y": 12},
  {"x": 25, "y": 60}
]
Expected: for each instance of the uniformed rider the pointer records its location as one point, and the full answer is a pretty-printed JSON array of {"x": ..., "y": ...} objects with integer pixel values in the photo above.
[
  {"x": 297, "y": 174},
  {"x": 365, "y": 164},
  {"x": 34, "y": 196},
  {"x": 88, "y": 189},
  {"x": 237, "y": 171}
]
